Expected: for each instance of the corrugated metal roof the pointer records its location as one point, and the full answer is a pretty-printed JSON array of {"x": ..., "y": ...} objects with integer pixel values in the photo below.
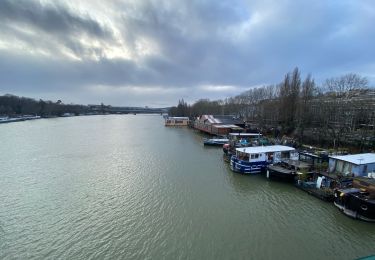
[
  {"x": 226, "y": 126},
  {"x": 265, "y": 149},
  {"x": 362, "y": 158}
]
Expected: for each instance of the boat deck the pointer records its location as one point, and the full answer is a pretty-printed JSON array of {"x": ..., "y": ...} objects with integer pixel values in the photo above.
[
  {"x": 280, "y": 169},
  {"x": 326, "y": 195}
]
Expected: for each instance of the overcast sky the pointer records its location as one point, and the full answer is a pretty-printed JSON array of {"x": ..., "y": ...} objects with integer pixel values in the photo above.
[{"x": 138, "y": 53}]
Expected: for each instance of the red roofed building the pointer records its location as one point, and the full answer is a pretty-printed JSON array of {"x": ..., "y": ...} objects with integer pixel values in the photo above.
[{"x": 218, "y": 125}]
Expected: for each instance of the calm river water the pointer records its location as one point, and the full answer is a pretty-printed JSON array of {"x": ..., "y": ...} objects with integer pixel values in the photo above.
[{"x": 126, "y": 187}]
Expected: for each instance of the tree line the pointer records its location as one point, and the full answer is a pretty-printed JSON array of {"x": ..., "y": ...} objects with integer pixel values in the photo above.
[
  {"x": 11, "y": 105},
  {"x": 340, "y": 111}
]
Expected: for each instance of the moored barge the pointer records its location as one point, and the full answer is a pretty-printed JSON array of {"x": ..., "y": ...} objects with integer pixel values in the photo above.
[
  {"x": 252, "y": 160},
  {"x": 287, "y": 170},
  {"x": 358, "y": 202}
]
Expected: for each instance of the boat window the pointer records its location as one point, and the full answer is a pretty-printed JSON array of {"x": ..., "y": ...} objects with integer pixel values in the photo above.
[
  {"x": 287, "y": 154},
  {"x": 244, "y": 156},
  {"x": 346, "y": 168},
  {"x": 255, "y": 156}
]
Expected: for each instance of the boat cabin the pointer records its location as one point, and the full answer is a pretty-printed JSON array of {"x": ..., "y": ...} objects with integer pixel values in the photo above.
[
  {"x": 270, "y": 154},
  {"x": 353, "y": 165},
  {"x": 255, "y": 159},
  {"x": 315, "y": 160},
  {"x": 176, "y": 121}
]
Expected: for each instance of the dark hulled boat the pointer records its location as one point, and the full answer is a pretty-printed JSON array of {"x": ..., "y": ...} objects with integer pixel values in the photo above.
[
  {"x": 287, "y": 170},
  {"x": 358, "y": 202},
  {"x": 322, "y": 185}
]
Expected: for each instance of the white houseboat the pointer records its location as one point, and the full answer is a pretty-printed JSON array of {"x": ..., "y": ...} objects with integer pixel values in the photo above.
[
  {"x": 255, "y": 159},
  {"x": 176, "y": 121}
]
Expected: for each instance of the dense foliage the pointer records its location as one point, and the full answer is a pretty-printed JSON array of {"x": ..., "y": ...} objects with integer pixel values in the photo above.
[{"x": 13, "y": 105}]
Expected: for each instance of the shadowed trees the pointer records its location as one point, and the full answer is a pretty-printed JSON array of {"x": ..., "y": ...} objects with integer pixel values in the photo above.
[{"x": 13, "y": 105}]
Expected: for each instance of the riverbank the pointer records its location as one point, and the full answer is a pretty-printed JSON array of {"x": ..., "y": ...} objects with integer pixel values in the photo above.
[{"x": 4, "y": 120}]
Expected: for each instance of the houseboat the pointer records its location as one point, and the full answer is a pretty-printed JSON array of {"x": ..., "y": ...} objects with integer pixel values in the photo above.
[
  {"x": 354, "y": 165},
  {"x": 300, "y": 164},
  {"x": 319, "y": 182},
  {"x": 218, "y": 124},
  {"x": 359, "y": 201},
  {"x": 303, "y": 163},
  {"x": 251, "y": 160},
  {"x": 317, "y": 160},
  {"x": 287, "y": 170},
  {"x": 176, "y": 121}
]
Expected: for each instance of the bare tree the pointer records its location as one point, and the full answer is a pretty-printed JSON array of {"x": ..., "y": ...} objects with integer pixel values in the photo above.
[
  {"x": 346, "y": 84},
  {"x": 289, "y": 92},
  {"x": 308, "y": 90}
]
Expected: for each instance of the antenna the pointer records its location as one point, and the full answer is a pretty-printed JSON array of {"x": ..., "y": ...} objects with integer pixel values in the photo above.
[{"x": 360, "y": 160}]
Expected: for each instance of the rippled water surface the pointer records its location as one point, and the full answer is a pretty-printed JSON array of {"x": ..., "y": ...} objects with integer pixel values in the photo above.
[{"x": 110, "y": 187}]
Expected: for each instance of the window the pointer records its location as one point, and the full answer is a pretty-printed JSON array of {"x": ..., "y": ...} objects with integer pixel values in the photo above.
[{"x": 255, "y": 156}]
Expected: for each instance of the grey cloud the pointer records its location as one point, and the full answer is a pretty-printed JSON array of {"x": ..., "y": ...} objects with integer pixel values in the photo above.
[
  {"x": 51, "y": 18},
  {"x": 197, "y": 43}
]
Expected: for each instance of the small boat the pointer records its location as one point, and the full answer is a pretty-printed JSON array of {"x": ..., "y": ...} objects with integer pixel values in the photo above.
[
  {"x": 358, "y": 202},
  {"x": 215, "y": 142},
  {"x": 251, "y": 160}
]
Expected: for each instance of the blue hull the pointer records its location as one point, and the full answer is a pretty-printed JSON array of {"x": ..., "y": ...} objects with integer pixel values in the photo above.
[{"x": 246, "y": 167}]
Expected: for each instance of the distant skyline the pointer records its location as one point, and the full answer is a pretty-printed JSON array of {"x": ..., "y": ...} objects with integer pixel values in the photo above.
[{"x": 138, "y": 53}]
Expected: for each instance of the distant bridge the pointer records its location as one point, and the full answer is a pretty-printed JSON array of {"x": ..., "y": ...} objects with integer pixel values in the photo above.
[{"x": 127, "y": 110}]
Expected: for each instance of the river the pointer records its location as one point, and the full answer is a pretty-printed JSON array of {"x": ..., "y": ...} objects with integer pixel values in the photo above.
[{"x": 126, "y": 187}]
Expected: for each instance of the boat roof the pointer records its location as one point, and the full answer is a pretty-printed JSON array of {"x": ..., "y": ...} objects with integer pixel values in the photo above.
[
  {"x": 309, "y": 154},
  {"x": 245, "y": 134},
  {"x": 227, "y": 126},
  {"x": 265, "y": 149},
  {"x": 358, "y": 159},
  {"x": 218, "y": 139},
  {"x": 179, "y": 117}
]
